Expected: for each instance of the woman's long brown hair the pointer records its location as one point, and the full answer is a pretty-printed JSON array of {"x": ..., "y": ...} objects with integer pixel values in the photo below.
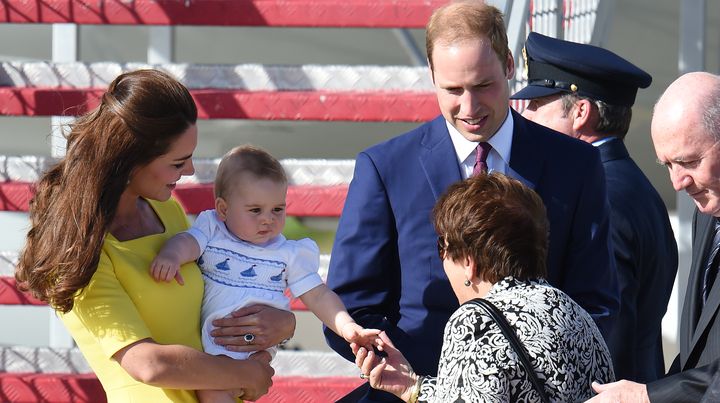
[{"x": 140, "y": 115}]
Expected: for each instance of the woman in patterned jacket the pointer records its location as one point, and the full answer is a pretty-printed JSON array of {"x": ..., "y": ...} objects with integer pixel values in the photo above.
[{"x": 493, "y": 243}]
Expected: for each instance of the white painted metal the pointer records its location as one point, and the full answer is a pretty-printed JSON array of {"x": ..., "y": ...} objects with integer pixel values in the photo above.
[
  {"x": 64, "y": 49},
  {"x": 19, "y": 359},
  {"x": 603, "y": 22},
  {"x": 516, "y": 28},
  {"x": 417, "y": 57},
  {"x": 691, "y": 57},
  {"x": 161, "y": 44}
]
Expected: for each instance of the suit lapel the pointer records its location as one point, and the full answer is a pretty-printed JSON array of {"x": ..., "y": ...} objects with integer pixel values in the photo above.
[
  {"x": 438, "y": 158},
  {"x": 525, "y": 163},
  {"x": 695, "y": 319}
]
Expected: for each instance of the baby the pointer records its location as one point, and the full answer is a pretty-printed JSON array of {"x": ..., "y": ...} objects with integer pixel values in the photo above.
[{"x": 246, "y": 260}]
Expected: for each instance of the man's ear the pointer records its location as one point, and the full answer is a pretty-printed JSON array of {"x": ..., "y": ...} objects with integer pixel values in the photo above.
[
  {"x": 430, "y": 70},
  {"x": 582, "y": 115},
  {"x": 221, "y": 208},
  {"x": 510, "y": 66}
]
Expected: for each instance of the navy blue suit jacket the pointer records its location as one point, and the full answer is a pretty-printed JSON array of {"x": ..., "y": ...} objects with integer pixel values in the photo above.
[
  {"x": 646, "y": 259},
  {"x": 385, "y": 265},
  {"x": 698, "y": 363}
]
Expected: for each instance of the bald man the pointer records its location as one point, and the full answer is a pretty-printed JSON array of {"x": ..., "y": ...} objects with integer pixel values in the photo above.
[{"x": 686, "y": 133}]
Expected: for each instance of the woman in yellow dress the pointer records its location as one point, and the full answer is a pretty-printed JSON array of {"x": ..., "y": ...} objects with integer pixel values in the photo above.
[{"x": 98, "y": 219}]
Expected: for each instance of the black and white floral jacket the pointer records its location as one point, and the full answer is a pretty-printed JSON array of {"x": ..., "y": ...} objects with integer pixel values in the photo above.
[{"x": 477, "y": 363}]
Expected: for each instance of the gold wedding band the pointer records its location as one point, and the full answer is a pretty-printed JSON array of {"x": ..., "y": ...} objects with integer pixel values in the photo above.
[{"x": 363, "y": 376}]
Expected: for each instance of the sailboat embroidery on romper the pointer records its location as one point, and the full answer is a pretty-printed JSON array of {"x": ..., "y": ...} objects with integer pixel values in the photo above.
[
  {"x": 250, "y": 272},
  {"x": 224, "y": 266},
  {"x": 277, "y": 277}
]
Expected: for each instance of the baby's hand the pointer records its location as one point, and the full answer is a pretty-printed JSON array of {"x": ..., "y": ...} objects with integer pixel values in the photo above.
[
  {"x": 354, "y": 333},
  {"x": 164, "y": 268}
]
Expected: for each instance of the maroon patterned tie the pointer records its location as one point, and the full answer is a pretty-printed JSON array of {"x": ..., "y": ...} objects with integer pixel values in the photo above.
[{"x": 481, "y": 153}]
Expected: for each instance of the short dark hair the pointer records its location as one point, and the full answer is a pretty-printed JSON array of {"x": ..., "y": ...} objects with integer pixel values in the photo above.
[
  {"x": 499, "y": 222},
  {"x": 246, "y": 159},
  {"x": 612, "y": 119}
]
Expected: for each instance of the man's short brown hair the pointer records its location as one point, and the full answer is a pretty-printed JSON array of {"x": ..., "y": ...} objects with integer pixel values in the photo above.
[
  {"x": 499, "y": 222},
  {"x": 467, "y": 21}
]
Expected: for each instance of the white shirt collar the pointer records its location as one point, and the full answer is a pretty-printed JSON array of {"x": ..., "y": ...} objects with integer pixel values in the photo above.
[
  {"x": 602, "y": 141},
  {"x": 499, "y": 157}
]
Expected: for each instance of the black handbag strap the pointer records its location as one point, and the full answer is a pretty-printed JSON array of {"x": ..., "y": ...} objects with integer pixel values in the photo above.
[{"x": 515, "y": 343}]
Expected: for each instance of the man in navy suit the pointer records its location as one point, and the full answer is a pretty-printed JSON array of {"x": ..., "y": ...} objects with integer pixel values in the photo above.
[
  {"x": 385, "y": 265},
  {"x": 686, "y": 135},
  {"x": 596, "y": 107}
]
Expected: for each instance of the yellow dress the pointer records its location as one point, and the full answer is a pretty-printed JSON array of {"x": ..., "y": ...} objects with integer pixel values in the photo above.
[{"x": 123, "y": 304}]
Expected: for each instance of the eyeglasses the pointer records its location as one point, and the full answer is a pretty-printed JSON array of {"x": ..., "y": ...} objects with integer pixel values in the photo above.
[{"x": 441, "y": 245}]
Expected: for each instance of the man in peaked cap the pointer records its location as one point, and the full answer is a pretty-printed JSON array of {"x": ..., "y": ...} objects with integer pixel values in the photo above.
[{"x": 587, "y": 92}]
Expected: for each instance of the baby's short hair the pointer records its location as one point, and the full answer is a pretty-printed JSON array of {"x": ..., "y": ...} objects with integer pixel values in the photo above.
[{"x": 246, "y": 159}]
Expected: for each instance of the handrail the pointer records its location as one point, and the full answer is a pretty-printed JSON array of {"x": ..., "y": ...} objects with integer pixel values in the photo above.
[
  {"x": 379, "y": 106},
  {"x": 267, "y": 13}
]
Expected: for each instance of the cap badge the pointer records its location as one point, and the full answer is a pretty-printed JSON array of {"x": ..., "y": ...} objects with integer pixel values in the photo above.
[{"x": 573, "y": 87}]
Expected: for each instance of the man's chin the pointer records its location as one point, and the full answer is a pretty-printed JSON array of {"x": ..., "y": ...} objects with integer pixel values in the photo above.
[
  {"x": 708, "y": 207},
  {"x": 475, "y": 137}
]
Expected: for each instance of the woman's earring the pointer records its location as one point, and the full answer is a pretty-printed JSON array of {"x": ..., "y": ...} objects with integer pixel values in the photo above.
[{"x": 467, "y": 283}]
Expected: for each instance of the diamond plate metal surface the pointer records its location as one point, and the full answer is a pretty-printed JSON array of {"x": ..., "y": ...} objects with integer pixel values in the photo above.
[
  {"x": 21, "y": 359},
  {"x": 318, "y": 172},
  {"x": 252, "y": 77},
  {"x": 23, "y": 168},
  {"x": 42, "y": 360},
  {"x": 8, "y": 260}
]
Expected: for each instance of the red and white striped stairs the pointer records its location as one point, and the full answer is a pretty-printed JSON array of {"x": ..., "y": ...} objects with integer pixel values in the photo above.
[{"x": 247, "y": 91}]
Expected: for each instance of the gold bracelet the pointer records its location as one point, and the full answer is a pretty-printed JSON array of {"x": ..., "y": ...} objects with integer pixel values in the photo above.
[{"x": 415, "y": 391}]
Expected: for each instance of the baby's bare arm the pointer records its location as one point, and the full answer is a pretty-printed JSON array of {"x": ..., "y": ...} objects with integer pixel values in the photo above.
[
  {"x": 328, "y": 307},
  {"x": 178, "y": 250}
]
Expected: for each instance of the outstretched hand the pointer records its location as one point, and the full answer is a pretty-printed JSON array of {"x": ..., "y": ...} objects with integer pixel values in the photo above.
[
  {"x": 354, "y": 333},
  {"x": 392, "y": 374},
  {"x": 620, "y": 392}
]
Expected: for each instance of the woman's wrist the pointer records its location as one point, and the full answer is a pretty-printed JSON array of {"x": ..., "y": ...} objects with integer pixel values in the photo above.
[
  {"x": 289, "y": 328},
  {"x": 413, "y": 391}
]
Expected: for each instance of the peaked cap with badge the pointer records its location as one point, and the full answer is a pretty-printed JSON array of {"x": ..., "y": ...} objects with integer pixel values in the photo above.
[{"x": 554, "y": 66}]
